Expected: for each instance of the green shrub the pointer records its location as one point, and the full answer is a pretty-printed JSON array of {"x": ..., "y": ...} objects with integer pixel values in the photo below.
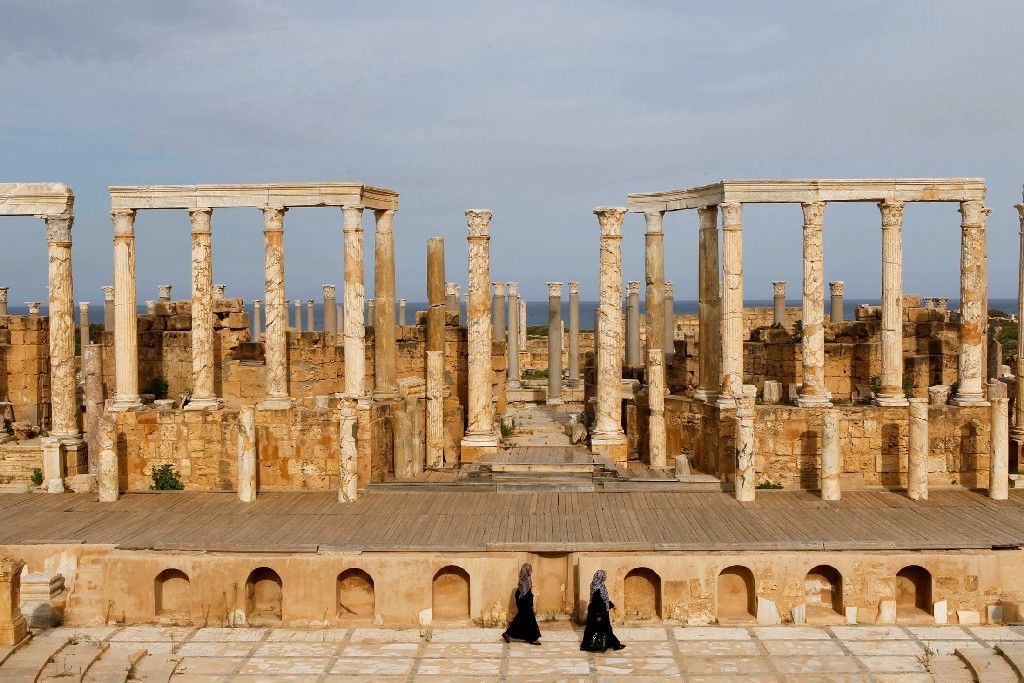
[
  {"x": 769, "y": 484},
  {"x": 508, "y": 429},
  {"x": 158, "y": 387},
  {"x": 166, "y": 479},
  {"x": 37, "y": 477}
]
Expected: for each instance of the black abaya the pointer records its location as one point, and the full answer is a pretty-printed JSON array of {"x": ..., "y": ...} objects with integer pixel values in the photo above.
[
  {"x": 598, "y": 635},
  {"x": 524, "y": 623}
]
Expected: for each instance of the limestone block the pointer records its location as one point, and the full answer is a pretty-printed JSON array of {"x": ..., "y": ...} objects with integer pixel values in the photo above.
[
  {"x": 772, "y": 392},
  {"x": 851, "y": 615},
  {"x": 886, "y": 612},
  {"x": 968, "y": 617},
  {"x": 994, "y": 614},
  {"x": 82, "y": 483},
  {"x": 941, "y": 611},
  {"x": 767, "y": 612},
  {"x": 799, "y": 614}
]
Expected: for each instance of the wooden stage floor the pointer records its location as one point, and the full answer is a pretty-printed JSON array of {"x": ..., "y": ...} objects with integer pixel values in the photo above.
[{"x": 534, "y": 521}]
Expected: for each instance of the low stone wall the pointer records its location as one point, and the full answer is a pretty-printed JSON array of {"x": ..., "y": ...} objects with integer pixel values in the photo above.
[{"x": 25, "y": 358}]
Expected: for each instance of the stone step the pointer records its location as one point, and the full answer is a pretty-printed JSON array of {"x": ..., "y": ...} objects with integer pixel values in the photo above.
[
  {"x": 72, "y": 663},
  {"x": 1014, "y": 655},
  {"x": 116, "y": 665},
  {"x": 85, "y": 604},
  {"x": 156, "y": 668},
  {"x": 25, "y": 665},
  {"x": 987, "y": 665}
]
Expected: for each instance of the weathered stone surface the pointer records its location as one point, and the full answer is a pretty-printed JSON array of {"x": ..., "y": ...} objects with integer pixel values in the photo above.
[
  {"x": 917, "y": 450},
  {"x": 480, "y": 413},
  {"x": 746, "y": 475},
  {"x": 347, "y": 475},
  {"x": 608, "y": 436},
  {"x": 13, "y": 627},
  {"x": 108, "y": 477},
  {"x": 999, "y": 461},
  {"x": 812, "y": 390},
  {"x": 126, "y": 354},
  {"x": 275, "y": 338},
  {"x": 202, "y": 311},
  {"x": 385, "y": 378},
  {"x": 656, "y": 441},
  {"x": 732, "y": 304},
  {"x": 554, "y": 396},
  {"x": 973, "y": 303},
  {"x": 355, "y": 331},
  {"x": 247, "y": 462},
  {"x": 831, "y": 455}
]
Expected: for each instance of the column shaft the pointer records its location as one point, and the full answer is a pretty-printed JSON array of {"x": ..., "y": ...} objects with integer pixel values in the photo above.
[
  {"x": 835, "y": 292},
  {"x": 1018, "y": 405},
  {"x": 709, "y": 345},
  {"x": 435, "y": 409},
  {"x": 732, "y": 304},
  {"x": 669, "y": 329},
  {"x": 355, "y": 331},
  {"x": 203, "y": 395},
  {"x": 436, "y": 304},
  {"x": 402, "y": 317},
  {"x": 608, "y": 436},
  {"x": 831, "y": 456},
  {"x": 257, "y": 325},
  {"x": 83, "y": 325},
  {"x": 917, "y": 451},
  {"x": 972, "y": 304},
  {"x": 348, "y": 477},
  {"x": 812, "y": 391},
  {"x": 999, "y": 460},
  {"x": 63, "y": 385},
  {"x": 330, "y": 312},
  {"x": 480, "y": 428},
  {"x": 108, "y": 308},
  {"x": 654, "y": 275},
  {"x": 385, "y": 371},
  {"x": 109, "y": 473},
  {"x": 746, "y": 462},
  {"x": 512, "y": 335},
  {"x": 554, "y": 343},
  {"x": 247, "y": 463},
  {"x": 126, "y": 350},
  {"x": 310, "y": 316},
  {"x": 779, "y": 303},
  {"x": 275, "y": 339},
  {"x": 656, "y": 441},
  {"x": 498, "y": 315},
  {"x": 573, "y": 374},
  {"x": 891, "y": 378},
  {"x": 632, "y": 324}
]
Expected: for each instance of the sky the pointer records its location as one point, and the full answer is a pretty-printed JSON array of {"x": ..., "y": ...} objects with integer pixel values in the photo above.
[{"x": 539, "y": 111}]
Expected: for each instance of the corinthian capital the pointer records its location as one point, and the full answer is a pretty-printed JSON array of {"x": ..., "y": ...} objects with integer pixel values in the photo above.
[
  {"x": 973, "y": 213},
  {"x": 513, "y": 288},
  {"x": 632, "y": 287},
  {"x": 58, "y": 229},
  {"x": 779, "y": 288},
  {"x": 732, "y": 215},
  {"x": 478, "y": 222},
  {"x": 610, "y": 219},
  {"x": 329, "y": 291},
  {"x": 814, "y": 213},
  {"x": 352, "y": 217},
  {"x": 892, "y": 213},
  {"x": 498, "y": 288},
  {"x": 574, "y": 288},
  {"x": 554, "y": 289},
  {"x": 836, "y": 287}
]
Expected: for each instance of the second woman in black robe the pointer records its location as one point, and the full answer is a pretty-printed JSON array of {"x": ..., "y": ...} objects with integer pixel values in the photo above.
[
  {"x": 524, "y": 623},
  {"x": 598, "y": 635}
]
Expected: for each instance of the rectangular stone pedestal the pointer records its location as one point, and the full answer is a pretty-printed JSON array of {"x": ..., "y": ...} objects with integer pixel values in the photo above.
[
  {"x": 616, "y": 450},
  {"x": 475, "y": 448}
]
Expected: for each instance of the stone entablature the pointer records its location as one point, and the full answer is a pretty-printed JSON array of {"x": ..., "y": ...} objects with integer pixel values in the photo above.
[
  {"x": 36, "y": 199},
  {"x": 251, "y": 195}
]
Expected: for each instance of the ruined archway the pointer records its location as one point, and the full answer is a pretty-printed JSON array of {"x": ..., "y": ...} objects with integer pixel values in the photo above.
[
  {"x": 450, "y": 594},
  {"x": 263, "y": 597},
  {"x": 642, "y": 594},
  {"x": 913, "y": 591},
  {"x": 823, "y": 586},
  {"x": 171, "y": 593},
  {"x": 355, "y": 595},
  {"x": 737, "y": 600}
]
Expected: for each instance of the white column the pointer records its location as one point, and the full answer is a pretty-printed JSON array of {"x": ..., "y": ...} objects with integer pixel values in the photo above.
[
  {"x": 670, "y": 321},
  {"x": 385, "y": 372},
  {"x": 999, "y": 458},
  {"x": 298, "y": 314},
  {"x": 656, "y": 441},
  {"x": 972, "y": 304},
  {"x": 654, "y": 272},
  {"x": 732, "y": 304},
  {"x": 126, "y": 349},
  {"x": 812, "y": 392},
  {"x": 709, "y": 339},
  {"x": 402, "y": 316},
  {"x": 608, "y": 436},
  {"x": 746, "y": 475},
  {"x": 83, "y": 324},
  {"x": 310, "y": 315},
  {"x": 480, "y": 411},
  {"x": 632, "y": 324},
  {"x": 891, "y": 391},
  {"x": 203, "y": 395},
  {"x": 275, "y": 340},
  {"x": 917, "y": 451},
  {"x": 355, "y": 331},
  {"x": 554, "y": 343},
  {"x": 63, "y": 384},
  {"x": 247, "y": 463},
  {"x": 779, "y": 303},
  {"x": 108, "y": 307},
  {"x": 573, "y": 374},
  {"x": 108, "y": 477},
  {"x": 831, "y": 456},
  {"x": 512, "y": 335},
  {"x": 348, "y": 476}
]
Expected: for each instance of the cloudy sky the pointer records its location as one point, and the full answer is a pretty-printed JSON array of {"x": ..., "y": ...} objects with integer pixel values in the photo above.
[{"x": 538, "y": 111}]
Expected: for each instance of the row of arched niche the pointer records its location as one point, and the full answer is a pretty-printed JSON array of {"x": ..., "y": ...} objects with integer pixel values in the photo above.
[{"x": 736, "y": 595}]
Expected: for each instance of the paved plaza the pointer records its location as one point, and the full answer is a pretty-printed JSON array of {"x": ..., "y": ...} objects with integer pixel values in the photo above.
[{"x": 776, "y": 653}]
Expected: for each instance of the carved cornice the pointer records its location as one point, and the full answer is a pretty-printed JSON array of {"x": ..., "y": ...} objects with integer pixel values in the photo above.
[{"x": 36, "y": 199}]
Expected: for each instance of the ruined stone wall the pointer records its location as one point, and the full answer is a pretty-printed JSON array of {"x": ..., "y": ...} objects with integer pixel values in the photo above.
[
  {"x": 535, "y": 355},
  {"x": 25, "y": 379}
]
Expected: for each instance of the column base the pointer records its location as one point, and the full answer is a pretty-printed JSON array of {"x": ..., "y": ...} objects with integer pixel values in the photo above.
[
  {"x": 556, "y": 401},
  {"x": 890, "y": 400},
  {"x": 726, "y": 402},
  {"x": 706, "y": 395},
  {"x": 275, "y": 403},
  {"x": 1017, "y": 435},
  {"x": 204, "y": 404},
  {"x": 613, "y": 446},
  {"x": 384, "y": 395},
  {"x": 476, "y": 446},
  {"x": 515, "y": 384},
  {"x": 813, "y": 402},
  {"x": 121, "y": 405},
  {"x": 573, "y": 383},
  {"x": 969, "y": 400}
]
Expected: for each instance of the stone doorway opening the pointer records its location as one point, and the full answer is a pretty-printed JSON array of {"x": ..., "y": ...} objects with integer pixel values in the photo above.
[
  {"x": 356, "y": 601},
  {"x": 172, "y": 593},
  {"x": 823, "y": 587},
  {"x": 913, "y": 593},
  {"x": 450, "y": 595},
  {"x": 737, "y": 600},
  {"x": 263, "y": 597},
  {"x": 551, "y": 589},
  {"x": 642, "y": 599}
]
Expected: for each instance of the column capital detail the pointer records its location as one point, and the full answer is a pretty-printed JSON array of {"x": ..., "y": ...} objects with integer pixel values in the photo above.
[
  {"x": 668, "y": 288},
  {"x": 256, "y": 302},
  {"x": 655, "y": 222},
  {"x": 892, "y": 213},
  {"x": 732, "y": 215},
  {"x": 58, "y": 229},
  {"x": 200, "y": 219},
  {"x": 108, "y": 292},
  {"x": 574, "y": 288},
  {"x": 708, "y": 217},
  {"x": 554, "y": 289},
  {"x": 124, "y": 222},
  {"x": 273, "y": 218},
  {"x": 814, "y": 214},
  {"x": 385, "y": 219},
  {"x": 973, "y": 212},
  {"x": 779, "y": 288},
  {"x": 498, "y": 288},
  {"x": 352, "y": 216},
  {"x": 3, "y": 293},
  {"x": 329, "y": 291},
  {"x": 632, "y": 287},
  {"x": 513, "y": 288},
  {"x": 478, "y": 222},
  {"x": 402, "y": 301},
  {"x": 452, "y": 289},
  {"x": 610, "y": 219},
  {"x": 836, "y": 287}
]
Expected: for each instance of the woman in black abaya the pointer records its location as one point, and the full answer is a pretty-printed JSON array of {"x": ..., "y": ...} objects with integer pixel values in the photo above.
[
  {"x": 598, "y": 635},
  {"x": 524, "y": 624}
]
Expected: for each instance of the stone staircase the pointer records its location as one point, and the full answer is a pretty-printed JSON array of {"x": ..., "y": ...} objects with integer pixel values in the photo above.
[
  {"x": 1005, "y": 662},
  {"x": 52, "y": 657}
]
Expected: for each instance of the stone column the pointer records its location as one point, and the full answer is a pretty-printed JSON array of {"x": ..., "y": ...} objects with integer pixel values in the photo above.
[
  {"x": 355, "y": 331},
  {"x": 812, "y": 392},
  {"x": 835, "y": 297},
  {"x": 13, "y": 627},
  {"x": 656, "y": 441},
  {"x": 555, "y": 343},
  {"x": 108, "y": 307},
  {"x": 63, "y": 385},
  {"x": 297, "y": 303},
  {"x": 831, "y": 457},
  {"x": 247, "y": 463},
  {"x": 220, "y": 292},
  {"x": 402, "y": 306},
  {"x": 92, "y": 372},
  {"x": 522, "y": 323},
  {"x": 917, "y": 451},
  {"x": 891, "y": 391},
  {"x": 436, "y": 302},
  {"x": 746, "y": 475},
  {"x": 330, "y": 311},
  {"x": 164, "y": 292},
  {"x": 340, "y": 315},
  {"x": 498, "y": 311},
  {"x": 53, "y": 465},
  {"x": 203, "y": 395},
  {"x": 310, "y": 315},
  {"x": 654, "y": 276},
  {"x": 573, "y": 374},
  {"x": 779, "y": 303},
  {"x": 385, "y": 349},
  {"x": 972, "y": 304},
  {"x": 608, "y": 437},
  {"x": 709, "y": 338},
  {"x": 126, "y": 350},
  {"x": 3, "y": 298},
  {"x": 34, "y": 308},
  {"x": 999, "y": 459},
  {"x": 512, "y": 334},
  {"x": 453, "y": 298},
  {"x": 256, "y": 325},
  {"x": 108, "y": 478},
  {"x": 348, "y": 480},
  {"x": 435, "y": 409},
  {"x": 669, "y": 330},
  {"x": 480, "y": 430},
  {"x": 732, "y": 304},
  {"x": 83, "y": 324},
  {"x": 275, "y": 338},
  {"x": 1018, "y": 407},
  {"x": 632, "y": 324}
]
